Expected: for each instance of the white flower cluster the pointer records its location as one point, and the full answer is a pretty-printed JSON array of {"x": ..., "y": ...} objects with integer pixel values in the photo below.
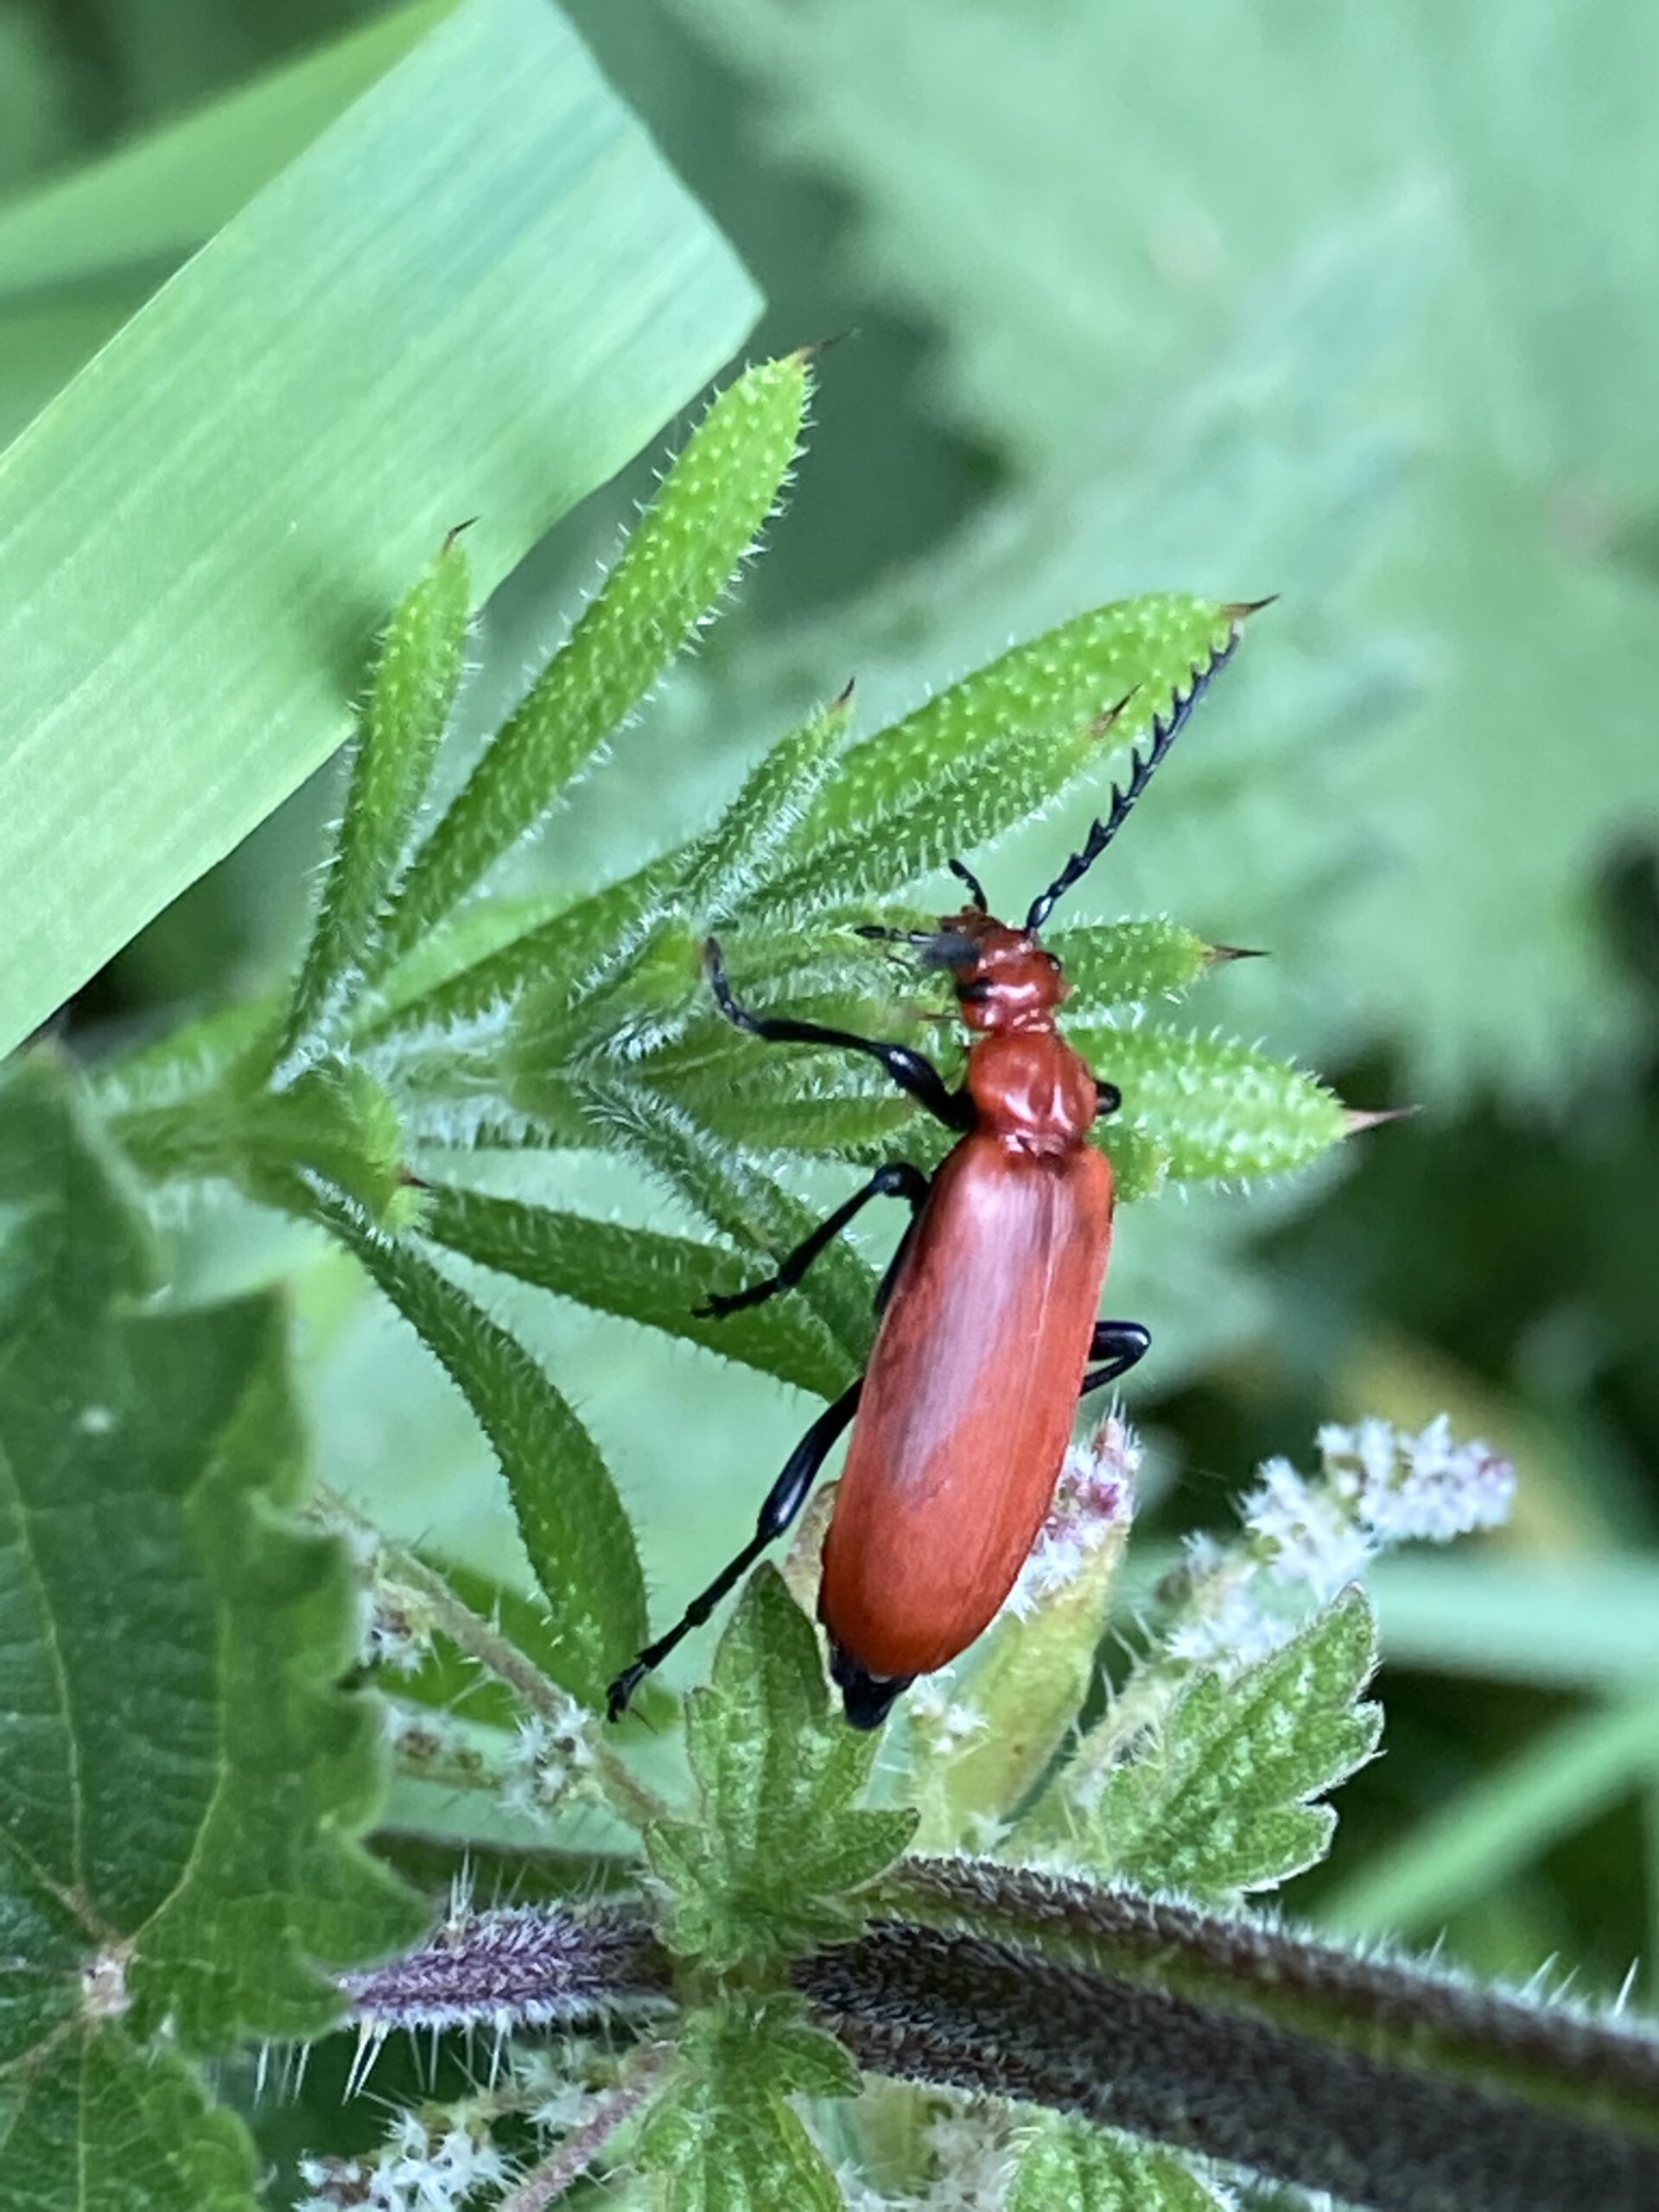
[
  {"x": 1092, "y": 1503},
  {"x": 551, "y": 1755},
  {"x": 415, "y": 2170},
  {"x": 1308, "y": 1536}
]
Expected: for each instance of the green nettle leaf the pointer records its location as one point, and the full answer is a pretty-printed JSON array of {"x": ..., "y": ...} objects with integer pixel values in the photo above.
[
  {"x": 991, "y": 750},
  {"x": 180, "y": 1781},
  {"x": 579, "y": 1540},
  {"x": 639, "y": 1274},
  {"x": 411, "y": 693},
  {"x": 1213, "y": 1107},
  {"x": 1219, "y": 1798},
  {"x": 722, "y": 2131},
  {"x": 668, "y": 575},
  {"x": 1067, "y": 2167},
  {"x": 779, "y": 1842}
]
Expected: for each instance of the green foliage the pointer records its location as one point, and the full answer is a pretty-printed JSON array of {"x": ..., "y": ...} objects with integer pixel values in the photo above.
[
  {"x": 640, "y": 1275},
  {"x": 671, "y": 571},
  {"x": 957, "y": 141},
  {"x": 181, "y": 1782},
  {"x": 1069, "y": 2168},
  {"x": 411, "y": 694},
  {"x": 723, "y": 2132},
  {"x": 577, "y": 1537},
  {"x": 779, "y": 1844},
  {"x": 1219, "y": 1799},
  {"x": 216, "y": 514}
]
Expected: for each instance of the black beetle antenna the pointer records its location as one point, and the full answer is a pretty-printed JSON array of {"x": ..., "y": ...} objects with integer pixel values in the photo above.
[{"x": 1164, "y": 729}]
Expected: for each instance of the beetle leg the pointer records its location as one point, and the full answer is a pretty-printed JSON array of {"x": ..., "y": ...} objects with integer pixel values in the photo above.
[
  {"x": 783, "y": 1502},
  {"x": 1119, "y": 1346},
  {"x": 897, "y": 1180},
  {"x": 908, "y": 1069}
]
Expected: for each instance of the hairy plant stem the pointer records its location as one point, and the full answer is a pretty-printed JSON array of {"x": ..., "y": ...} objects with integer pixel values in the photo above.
[
  {"x": 1376, "y": 2009},
  {"x": 548, "y": 2180},
  {"x": 497, "y": 1653}
]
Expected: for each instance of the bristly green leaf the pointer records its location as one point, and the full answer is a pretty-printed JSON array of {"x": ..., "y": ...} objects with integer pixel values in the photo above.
[
  {"x": 1214, "y": 1108},
  {"x": 879, "y": 822},
  {"x": 772, "y": 802},
  {"x": 640, "y": 1274},
  {"x": 668, "y": 575},
  {"x": 735, "y": 1197},
  {"x": 722, "y": 2132},
  {"x": 579, "y": 1540},
  {"x": 180, "y": 1781},
  {"x": 335, "y": 1119},
  {"x": 411, "y": 693},
  {"x": 1067, "y": 2167},
  {"x": 766, "y": 1867},
  {"x": 1219, "y": 1798},
  {"x": 1124, "y": 964}
]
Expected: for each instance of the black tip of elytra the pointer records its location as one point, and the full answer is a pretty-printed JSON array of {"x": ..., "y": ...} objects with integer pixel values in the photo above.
[{"x": 866, "y": 1699}]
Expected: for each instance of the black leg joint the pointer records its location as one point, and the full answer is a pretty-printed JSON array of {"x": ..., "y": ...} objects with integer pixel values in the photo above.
[{"x": 1119, "y": 1346}]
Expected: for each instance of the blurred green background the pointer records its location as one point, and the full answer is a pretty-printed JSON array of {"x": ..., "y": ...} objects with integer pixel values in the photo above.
[{"x": 1354, "y": 303}]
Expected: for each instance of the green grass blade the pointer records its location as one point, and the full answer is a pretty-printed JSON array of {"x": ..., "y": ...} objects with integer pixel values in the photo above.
[
  {"x": 1502, "y": 1823},
  {"x": 688, "y": 544},
  {"x": 198, "y": 536},
  {"x": 148, "y": 204}
]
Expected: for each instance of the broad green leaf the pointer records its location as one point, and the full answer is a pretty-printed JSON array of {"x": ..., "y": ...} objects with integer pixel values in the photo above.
[
  {"x": 411, "y": 693},
  {"x": 1067, "y": 2167},
  {"x": 181, "y": 1784},
  {"x": 1219, "y": 1797},
  {"x": 149, "y": 203},
  {"x": 992, "y": 749},
  {"x": 779, "y": 1842},
  {"x": 1214, "y": 1108},
  {"x": 641, "y": 1275},
  {"x": 197, "y": 537},
  {"x": 675, "y": 565},
  {"x": 722, "y": 2132},
  {"x": 578, "y": 1538}
]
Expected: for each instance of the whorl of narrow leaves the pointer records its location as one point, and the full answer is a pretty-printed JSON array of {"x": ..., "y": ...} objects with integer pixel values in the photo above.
[
  {"x": 1219, "y": 1797},
  {"x": 779, "y": 1841},
  {"x": 772, "y": 802},
  {"x": 1214, "y": 1108},
  {"x": 578, "y": 1538},
  {"x": 994, "y": 748},
  {"x": 740, "y": 1201},
  {"x": 411, "y": 693},
  {"x": 669, "y": 574},
  {"x": 639, "y": 1274}
]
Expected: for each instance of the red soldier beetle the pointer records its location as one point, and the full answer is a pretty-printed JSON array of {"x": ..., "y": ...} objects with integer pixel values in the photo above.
[{"x": 988, "y": 1335}]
